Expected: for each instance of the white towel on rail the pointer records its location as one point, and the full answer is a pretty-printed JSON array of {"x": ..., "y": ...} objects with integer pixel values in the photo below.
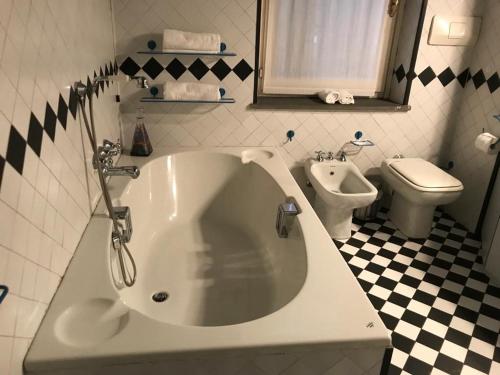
[
  {"x": 177, "y": 40},
  {"x": 191, "y": 91}
]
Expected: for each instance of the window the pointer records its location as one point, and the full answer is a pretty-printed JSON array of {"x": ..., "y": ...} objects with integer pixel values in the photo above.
[{"x": 310, "y": 45}]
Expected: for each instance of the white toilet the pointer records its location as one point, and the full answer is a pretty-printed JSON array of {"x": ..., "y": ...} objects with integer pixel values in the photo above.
[{"x": 418, "y": 187}]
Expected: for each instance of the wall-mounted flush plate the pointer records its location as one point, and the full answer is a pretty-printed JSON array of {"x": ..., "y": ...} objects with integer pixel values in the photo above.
[{"x": 454, "y": 31}]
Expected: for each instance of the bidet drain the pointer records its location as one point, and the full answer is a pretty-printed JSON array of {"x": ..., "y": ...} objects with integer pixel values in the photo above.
[{"x": 160, "y": 296}]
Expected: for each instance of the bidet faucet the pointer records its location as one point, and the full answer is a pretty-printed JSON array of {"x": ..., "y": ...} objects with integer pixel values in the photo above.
[
  {"x": 320, "y": 155},
  {"x": 342, "y": 156}
]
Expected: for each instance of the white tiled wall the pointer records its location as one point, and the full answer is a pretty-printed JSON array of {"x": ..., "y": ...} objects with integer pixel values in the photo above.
[
  {"x": 45, "y": 45},
  {"x": 475, "y": 113},
  {"x": 420, "y": 132}
]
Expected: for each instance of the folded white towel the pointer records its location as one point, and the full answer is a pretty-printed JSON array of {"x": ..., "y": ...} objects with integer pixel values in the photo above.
[
  {"x": 190, "y": 91},
  {"x": 329, "y": 96},
  {"x": 177, "y": 40},
  {"x": 346, "y": 97}
]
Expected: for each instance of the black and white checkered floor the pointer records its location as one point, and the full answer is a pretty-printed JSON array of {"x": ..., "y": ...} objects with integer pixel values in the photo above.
[{"x": 432, "y": 295}]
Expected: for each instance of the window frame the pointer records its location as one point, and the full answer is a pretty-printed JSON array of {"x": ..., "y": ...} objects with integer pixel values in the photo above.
[
  {"x": 386, "y": 60},
  {"x": 311, "y": 103}
]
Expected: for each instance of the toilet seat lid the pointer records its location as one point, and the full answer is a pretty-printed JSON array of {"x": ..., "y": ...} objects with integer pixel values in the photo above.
[{"x": 424, "y": 174}]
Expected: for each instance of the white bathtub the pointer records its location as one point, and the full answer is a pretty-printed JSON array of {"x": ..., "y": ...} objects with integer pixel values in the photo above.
[{"x": 240, "y": 298}]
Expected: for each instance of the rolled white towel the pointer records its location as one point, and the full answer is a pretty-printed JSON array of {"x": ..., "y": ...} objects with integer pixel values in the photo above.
[
  {"x": 191, "y": 91},
  {"x": 346, "y": 97},
  {"x": 177, "y": 40},
  {"x": 329, "y": 96}
]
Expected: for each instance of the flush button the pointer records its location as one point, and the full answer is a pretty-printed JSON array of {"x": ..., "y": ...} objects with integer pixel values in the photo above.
[{"x": 457, "y": 30}]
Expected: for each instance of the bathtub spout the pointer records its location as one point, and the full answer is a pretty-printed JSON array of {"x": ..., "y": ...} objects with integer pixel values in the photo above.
[{"x": 286, "y": 210}]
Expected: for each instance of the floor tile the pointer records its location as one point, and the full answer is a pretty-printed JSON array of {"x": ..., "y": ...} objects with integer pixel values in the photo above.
[{"x": 432, "y": 294}]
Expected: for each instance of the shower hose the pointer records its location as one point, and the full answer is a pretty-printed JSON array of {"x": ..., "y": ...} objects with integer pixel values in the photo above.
[{"x": 120, "y": 246}]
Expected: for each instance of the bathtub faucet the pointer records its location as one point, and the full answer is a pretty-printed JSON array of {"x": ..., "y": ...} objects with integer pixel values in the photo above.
[
  {"x": 286, "y": 210},
  {"x": 104, "y": 159}
]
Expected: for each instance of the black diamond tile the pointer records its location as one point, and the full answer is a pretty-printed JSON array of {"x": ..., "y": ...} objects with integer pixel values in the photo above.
[
  {"x": 448, "y": 295},
  {"x": 152, "y": 68},
  {"x": 376, "y": 241},
  {"x": 433, "y": 279},
  {"x": 415, "y": 366},
  {"x": 424, "y": 297},
  {"x": 390, "y": 322},
  {"x": 365, "y": 254},
  {"x": 478, "y": 362},
  {"x": 402, "y": 343},
  {"x": 410, "y": 281},
  {"x": 242, "y": 70},
  {"x": 16, "y": 149},
  {"x": 386, "y": 283},
  {"x": 400, "y": 73},
  {"x": 129, "y": 66},
  {"x": 107, "y": 72},
  {"x": 396, "y": 240},
  {"x": 458, "y": 337},
  {"x": 484, "y": 334},
  {"x": 446, "y": 76},
  {"x": 198, "y": 68},
  {"x": 338, "y": 244},
  {"x": 367, "y": 231},
  {"x": 365, "y": 285},
  {"x": 220, "y": 69},
  {"x": 115, "y": 67},
  {"x": 448, "y": 364},
  {"x": 62, "y": 111},
  {"x": 49, "y": 124},
  {"x": 355, "y": 270},
  {"x": 376, "y": 301},
  {"x": 464, "y": 77},
  {"x": 399, "y": 299},
  {"x": 35, "y": 135},
  {"x": 375, "y": 268},
  {"x": 468, "y": 314},
  {"x": 73, "y": 102},
  {"x": 493, "y": 82},
  {"x": 386, "y": 253},
  {"x": 429, "y": 339},
  {"x": 478, "y": 79},
  {"x": 411, "y": 75},
  {"x": 176, "y": 68},
  {"x": 98, "y": 86},
  {"x": 2, "y": 166},
  {"x": 102, "y": 83},
  {"x": 426, "y": 76},
  {"x": 89, "y": 83},
  {"x": 440, "y": 316},
  {"x": 355, "y": 242}
]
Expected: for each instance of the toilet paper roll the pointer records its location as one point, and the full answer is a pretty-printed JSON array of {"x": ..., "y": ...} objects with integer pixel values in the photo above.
[{"x": 486, "y": 143}]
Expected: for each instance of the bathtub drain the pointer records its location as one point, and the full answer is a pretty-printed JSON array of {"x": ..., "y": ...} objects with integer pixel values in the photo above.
[{"x": 160, "y": 296}]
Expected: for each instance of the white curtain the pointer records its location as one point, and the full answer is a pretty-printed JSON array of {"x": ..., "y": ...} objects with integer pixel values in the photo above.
[{"x": 313, "y": 44}]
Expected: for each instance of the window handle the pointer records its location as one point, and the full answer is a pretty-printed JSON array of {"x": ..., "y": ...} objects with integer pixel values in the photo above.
[{"x": 393, "y": 7}]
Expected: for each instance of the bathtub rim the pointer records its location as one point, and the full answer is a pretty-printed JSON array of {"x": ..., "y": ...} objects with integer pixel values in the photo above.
[{"x": 48, "y": 353}]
